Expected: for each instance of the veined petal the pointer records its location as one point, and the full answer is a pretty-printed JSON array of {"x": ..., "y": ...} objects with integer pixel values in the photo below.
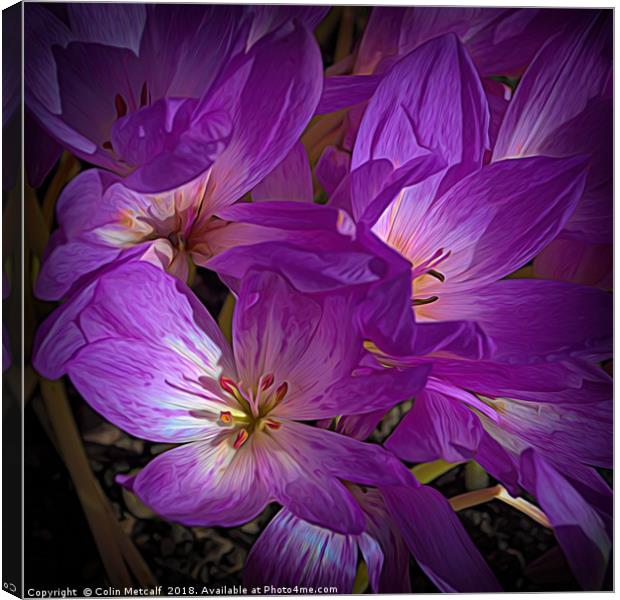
[
  {"x": 400, "y": 122},
  {"x": 290, "y": 180},
  {"x": 299, "y": 481},
  {"x": 437, "y": 540},
  {"x": 577, "y": 526},
  {"x": 493, "y": 221},
  {"x": 149, "y": 391},
  {"x": 526, "y": 319},
  {"x": 436, "y": 427},
  {"x": 268, "y": 109},
  {"x": 119, "y": 25},
  {"x": 156, "y": 309},
  {"x": 204, "y": 484},
  {"x": 291, "y": 552}
]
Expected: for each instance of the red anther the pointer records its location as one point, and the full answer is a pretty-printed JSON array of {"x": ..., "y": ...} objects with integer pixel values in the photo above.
[
  {"x": 281, "y": 391},
  {"x": 241, "y": 438},
  {"x": 273, "y": 424},
  {"x": 228, "y": 385},
  {"x": 267, "y": 381},
  {"x": 121, "y": 106},
  {"x": 226, "y": 417}
]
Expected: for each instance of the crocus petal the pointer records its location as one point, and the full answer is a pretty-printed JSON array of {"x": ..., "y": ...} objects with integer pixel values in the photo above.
[
  {"x": 40, "y": 76},
  {"x": 332, "y": 168},
  {"x": 579, "y": 529},
  {"x": 290, "y": 180},
  {"x": 298, "y": 480},
  {"x": 110, "y": 24},
  {"x": 291, "y": 552},
  {"x": 269, "y": 109},
  {"x": 342, "y": 91},
  {"x": 204, "y": 484},
  {"x": 267, "y": 18},
  {"x": 341, "y": 456},
  {"x": 109, "y": 309},
  {"x": 438, "y": 541},
  {"x": 149, "y": 391},
  {"x": 492, "y": 222},
  {"x": 66, "y": 263},
  {"x": 526, "y": 319},
  {"x": 573, "y": 71},
  {"x": 450, "y": 118},
  {"x": 436, "y": 427},
  {"x": 576, "y": 261}
]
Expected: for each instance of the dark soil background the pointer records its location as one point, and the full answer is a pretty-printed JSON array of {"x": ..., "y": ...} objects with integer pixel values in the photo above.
[{"x": 60, "y": 550}]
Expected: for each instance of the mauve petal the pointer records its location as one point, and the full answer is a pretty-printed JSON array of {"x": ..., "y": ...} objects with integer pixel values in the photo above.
[
  {"x": 371, "y": 390},
  {"x": 527, "y": 319},
  {"x": 291, "y": 552},
  {"x": 577, "y": 262},
  {"x": 90, "y": 77},
  {"x": 343, "y": 91},
  {"x": 465, "y": 339},
  {"x": 156, "y": 309},
  {"x": 184, "y": 48},
  {"x": 204, "y": 484},
  {"x": 393, "y": 572},
  {"x": 529, "y": 381},
  {"x": 573, "y": 71},
  {"x": 69, "y": 260},
  {"x": 340, "y": 456},
  {"x": 147, "y": 390},
  {"x": 493, "y": 222},
  {"x": 273, "y": 325},
  {"x": 302, "y": 483},
  {"x": 450, "y": 119},
  {"x": 332, "y": 168},
  {"x": 565, "y": 431},
  {"x": 267, "y": 18},
  {"x": 290, "y": 180},
  {"x": 438, "y": 541},
  {"x": 436, "y": 427},
  {"x": 110, "y": 24},
  {"x": 573, "y": 68},
  {"x": 41, "y": 73},
  {"x": 579, "y": 530},
  {"x": 269, "y": 109}
]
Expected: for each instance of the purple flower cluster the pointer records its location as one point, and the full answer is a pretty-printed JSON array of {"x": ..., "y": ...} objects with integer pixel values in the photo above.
[{"x": 462, "y": 260}]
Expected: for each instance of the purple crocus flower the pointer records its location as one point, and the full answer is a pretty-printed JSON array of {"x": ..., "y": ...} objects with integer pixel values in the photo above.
[
  {"x": 160, "y": 94},
  {"x": 150, "y": 359},
  {"x": 562, "y": 107}
]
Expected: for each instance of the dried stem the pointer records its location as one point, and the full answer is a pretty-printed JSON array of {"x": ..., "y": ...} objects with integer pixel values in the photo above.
[{"x": 498, "y": 492}]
